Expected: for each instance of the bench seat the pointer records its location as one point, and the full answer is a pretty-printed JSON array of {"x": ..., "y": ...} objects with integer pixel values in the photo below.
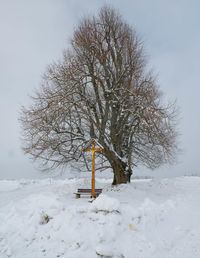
[{"x": 81, "y": 191}]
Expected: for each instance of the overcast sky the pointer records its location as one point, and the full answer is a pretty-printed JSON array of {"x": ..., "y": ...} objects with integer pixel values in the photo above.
[{"x": 33, "y": 33}]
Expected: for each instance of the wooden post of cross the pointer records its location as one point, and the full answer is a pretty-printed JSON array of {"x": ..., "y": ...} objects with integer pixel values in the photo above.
[{"x": 93, "y": 150}]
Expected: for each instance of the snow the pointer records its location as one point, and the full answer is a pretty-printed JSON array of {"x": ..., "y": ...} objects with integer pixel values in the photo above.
[
  {"x": 106, "y": 204},
  {"x": 147, "y": 218}
]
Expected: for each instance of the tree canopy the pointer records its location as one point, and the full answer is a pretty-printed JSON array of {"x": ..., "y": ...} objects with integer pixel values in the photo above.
[{"x": 101, "y": 89}]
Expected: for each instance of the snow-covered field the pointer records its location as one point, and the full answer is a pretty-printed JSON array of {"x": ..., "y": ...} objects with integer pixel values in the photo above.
[{"x": 144, "y": 219}]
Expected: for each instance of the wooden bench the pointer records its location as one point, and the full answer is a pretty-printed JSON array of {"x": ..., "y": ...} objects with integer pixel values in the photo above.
[{"x": 87, "y": 192}]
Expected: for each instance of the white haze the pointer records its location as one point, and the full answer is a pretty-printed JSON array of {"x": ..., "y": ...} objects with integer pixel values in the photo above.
[{"x": 34, "y": 33}]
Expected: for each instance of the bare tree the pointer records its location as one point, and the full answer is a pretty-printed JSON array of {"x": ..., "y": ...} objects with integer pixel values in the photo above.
[{"x": 101, "y": 89}]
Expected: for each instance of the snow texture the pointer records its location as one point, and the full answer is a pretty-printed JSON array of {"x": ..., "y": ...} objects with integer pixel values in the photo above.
[{"x": 144, "y": 219}]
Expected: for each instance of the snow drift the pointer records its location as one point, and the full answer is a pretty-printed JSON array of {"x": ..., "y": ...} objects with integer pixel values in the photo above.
[{"x": 144, "y": 219}]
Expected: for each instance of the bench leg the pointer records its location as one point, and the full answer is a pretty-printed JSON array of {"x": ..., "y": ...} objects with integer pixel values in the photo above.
[{"x": 78, "y": 196}]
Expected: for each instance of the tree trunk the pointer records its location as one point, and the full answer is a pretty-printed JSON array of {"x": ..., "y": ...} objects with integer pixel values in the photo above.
[{"x": 122, "y": 175}]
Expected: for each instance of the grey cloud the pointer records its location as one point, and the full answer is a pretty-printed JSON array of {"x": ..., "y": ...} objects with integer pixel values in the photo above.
[{"x": 34, "y": 33}]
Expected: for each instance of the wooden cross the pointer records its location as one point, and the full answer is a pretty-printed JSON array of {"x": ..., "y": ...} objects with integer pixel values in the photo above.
[{"x": 93, "y": 150}]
